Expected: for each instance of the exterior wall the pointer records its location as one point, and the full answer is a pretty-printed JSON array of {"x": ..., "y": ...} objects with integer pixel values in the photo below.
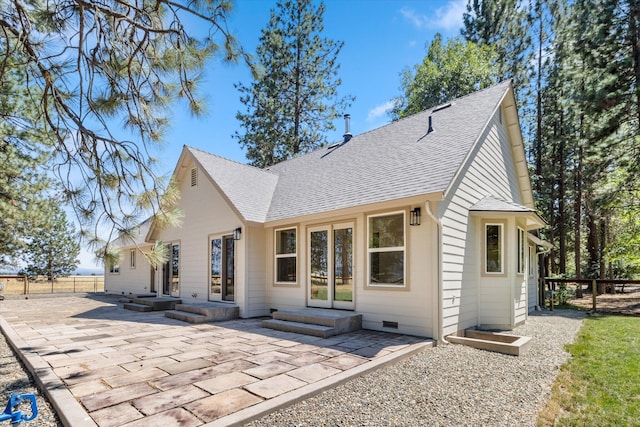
[
  {"x": 206, "y": 214},
  {"x": 490, "y": 171},
  {"x": 412, "y": 307},
  {"x": 533, "y": 279},
  {"x": 256, "y": 272},
  {"x": 128, "y": 280}
]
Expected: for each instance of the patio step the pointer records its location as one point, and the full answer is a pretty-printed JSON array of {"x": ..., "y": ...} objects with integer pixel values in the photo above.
[
  {"x": 137, "y": 307},
  {"x": 204, "y": 312},
  {"x": 316, "y": 322},
  {"x": 155, "y": 303}
]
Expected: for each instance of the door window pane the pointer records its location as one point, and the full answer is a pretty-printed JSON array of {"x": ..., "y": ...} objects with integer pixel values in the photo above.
[
  {"x": 175, "y": 268},
  {"x": 343, "y": 264},
  {"x": 319, "y": 254},
  {"x": 216, "y": 266}
]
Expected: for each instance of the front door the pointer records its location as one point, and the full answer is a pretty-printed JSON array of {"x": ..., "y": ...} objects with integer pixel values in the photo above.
[{"x": 330, "y": 273}]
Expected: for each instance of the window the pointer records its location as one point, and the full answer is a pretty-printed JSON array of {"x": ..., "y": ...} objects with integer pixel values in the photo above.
[
  {"x": 493, "y": 248},
  {"x": 194, "y": 177},
  {"x": 114, "y": 269},
  {"x": 521, "y": 251},
  {"x": 132, "y": 258},
  {"x": 286, "y": 255},
  {"x": 532, "y": 261},
  {"x": 386, "y": 249}
]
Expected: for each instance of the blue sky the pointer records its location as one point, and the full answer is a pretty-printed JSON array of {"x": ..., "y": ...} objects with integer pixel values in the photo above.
[{"x": 381, "y": 38}]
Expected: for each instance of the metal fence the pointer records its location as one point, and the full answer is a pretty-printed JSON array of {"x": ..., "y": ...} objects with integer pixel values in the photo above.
[{"x": 23, "y": 285}]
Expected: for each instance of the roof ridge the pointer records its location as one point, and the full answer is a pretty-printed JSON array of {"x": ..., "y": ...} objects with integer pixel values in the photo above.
[{"x": 229, "y": 160}]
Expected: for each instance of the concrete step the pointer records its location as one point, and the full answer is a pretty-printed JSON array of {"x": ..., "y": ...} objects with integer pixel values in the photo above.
[
  {"x": 204, "y": 312},
  {"x": 346, "y": 321},
  {"x": 318, "y": 322},
  {"x": 158, "y": 303},
  {"x": 137, "y": 307},
  {"x": 185, "y": 316},
  {"x": 299, "y": 328}
]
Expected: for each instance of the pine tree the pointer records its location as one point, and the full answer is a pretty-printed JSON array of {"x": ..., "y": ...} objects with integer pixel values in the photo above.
[
  {"x": 294, "y": 98},
  {"x": 53, "y": 247},
  {"x": 450, "y": 70},
  {"x": 24, "y": 148},
  {"x": 102, "y": 77}
]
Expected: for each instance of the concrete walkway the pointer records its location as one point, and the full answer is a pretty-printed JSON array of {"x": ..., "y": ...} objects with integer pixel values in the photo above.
[{"x": 102, "y": 365}]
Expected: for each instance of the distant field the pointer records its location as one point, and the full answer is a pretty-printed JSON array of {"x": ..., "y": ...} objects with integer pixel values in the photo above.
[{"x": 20, "y": 285}]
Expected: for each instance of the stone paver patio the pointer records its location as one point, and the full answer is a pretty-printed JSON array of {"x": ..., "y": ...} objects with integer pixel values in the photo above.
[{"x": 102, "y": 365}]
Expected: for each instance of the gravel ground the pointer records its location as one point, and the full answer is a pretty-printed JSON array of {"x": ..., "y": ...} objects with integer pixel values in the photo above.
[
  {"x": 448, "y": 385},
  {"x": 15, "y": 379}
]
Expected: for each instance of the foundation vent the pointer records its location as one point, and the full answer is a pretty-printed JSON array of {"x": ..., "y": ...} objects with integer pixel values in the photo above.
[{"x": 388, "y": 324}]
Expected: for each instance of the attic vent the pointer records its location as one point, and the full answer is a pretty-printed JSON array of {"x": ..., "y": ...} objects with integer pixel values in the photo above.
[
  {"x": 194, "y": 177},
  {"x": 388, "y": 324},
  {"x": 441, "y": 107}
]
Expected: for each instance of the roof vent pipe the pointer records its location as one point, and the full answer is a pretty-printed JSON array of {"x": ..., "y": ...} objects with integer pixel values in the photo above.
[
  {"x": 347, "y": 125},
  {"x": 430, "y": 124}
]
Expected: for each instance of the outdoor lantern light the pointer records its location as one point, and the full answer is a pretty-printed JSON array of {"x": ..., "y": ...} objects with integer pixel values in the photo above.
[
  {"x": 415, "y": 216},
  {"x": 237, "y": 233}
]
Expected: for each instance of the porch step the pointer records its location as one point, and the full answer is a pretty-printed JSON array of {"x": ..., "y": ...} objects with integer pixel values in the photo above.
[
  {"x": 155, "y": 303},
  {"x": 137, "y": 307},
  {"x": 316, "y": 322},
  {"x": 204, "y": 312}
]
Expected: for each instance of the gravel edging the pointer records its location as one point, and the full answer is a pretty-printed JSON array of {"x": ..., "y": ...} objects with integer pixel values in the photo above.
[
  {"x": 448, "y": 385},
  {"x": 14, "y": 378}
]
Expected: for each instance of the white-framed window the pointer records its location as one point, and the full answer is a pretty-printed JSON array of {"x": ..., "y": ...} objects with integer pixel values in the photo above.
[
  {"x": 286, "y": 255},
  {"x": 194, "y": 177},
  {"x": 386, "y": 249},
  {"x": 532, "y": 260},
  {"x": 494, "y": 244},
  {"x": 132, "y": 258},
  {"x": 522, "y": 244},
  {"x": 114, "y": 269}
]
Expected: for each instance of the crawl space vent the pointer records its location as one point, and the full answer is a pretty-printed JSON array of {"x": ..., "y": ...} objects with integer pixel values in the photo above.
[{"x": 387, "y": 324}]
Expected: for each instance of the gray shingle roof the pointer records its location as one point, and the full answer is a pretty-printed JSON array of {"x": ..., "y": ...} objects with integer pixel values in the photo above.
[
  {"x": 391, "y": 162},
  {"x": 249, "y": 189},
  {"x": 395, "y": 161}
]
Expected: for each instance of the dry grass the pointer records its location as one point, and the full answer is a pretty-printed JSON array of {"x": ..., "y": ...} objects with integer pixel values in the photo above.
[{"x": 14, "y": 285}]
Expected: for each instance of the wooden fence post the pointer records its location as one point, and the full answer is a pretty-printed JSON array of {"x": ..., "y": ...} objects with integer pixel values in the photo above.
[{"x": 594, "y": 293}]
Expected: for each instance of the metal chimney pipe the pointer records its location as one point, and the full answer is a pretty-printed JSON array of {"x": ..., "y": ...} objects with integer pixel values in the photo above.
[
  {"x": 347, "y": 128},
  {"x": 430, "y": 125}
]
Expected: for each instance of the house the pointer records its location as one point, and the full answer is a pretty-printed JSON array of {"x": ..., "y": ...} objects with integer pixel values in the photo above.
[{"x": 424, "y": 226}]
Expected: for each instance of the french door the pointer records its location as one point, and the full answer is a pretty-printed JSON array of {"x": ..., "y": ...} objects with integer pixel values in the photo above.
[
  {"x": 222, "y": 284},
  {"x": 171, "y": 272},
  {"x": 330, "y": 261}
]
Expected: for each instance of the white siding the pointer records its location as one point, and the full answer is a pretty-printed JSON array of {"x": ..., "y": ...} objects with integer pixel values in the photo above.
[
  {"x": 205, "y": 214},
  {"x": 413, "y": 308},
  {"x": 129, "y": 281},
  {"x": 468, "y": 300},
  {"x": 256, "y": 270}
]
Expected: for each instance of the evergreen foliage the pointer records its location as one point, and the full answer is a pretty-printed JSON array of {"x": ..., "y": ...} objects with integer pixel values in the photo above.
[
  {"x": 86, "y": 65},
  {"x": 53, "y": 247},
  {"x": 450, "y": 70},
  {"x": 294, "y": 98}
]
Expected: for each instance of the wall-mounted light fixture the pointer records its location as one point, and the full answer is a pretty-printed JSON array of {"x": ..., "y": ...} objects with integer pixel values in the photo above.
[
  {"x": 414, "y": 218},
  {"x": 237, "y": 233}
]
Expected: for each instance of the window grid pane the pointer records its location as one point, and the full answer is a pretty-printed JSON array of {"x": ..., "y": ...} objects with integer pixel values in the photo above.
[{"x": 493, "y": 248}]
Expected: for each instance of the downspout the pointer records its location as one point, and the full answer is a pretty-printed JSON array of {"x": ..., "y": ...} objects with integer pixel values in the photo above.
[{"x": 439, "y": 328}]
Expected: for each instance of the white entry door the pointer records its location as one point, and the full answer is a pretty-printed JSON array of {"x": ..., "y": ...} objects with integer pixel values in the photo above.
[{"x": 330, "y": 272}]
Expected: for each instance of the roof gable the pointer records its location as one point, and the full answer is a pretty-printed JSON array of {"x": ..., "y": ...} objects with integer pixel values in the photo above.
[{"x": 249, "y": 190}]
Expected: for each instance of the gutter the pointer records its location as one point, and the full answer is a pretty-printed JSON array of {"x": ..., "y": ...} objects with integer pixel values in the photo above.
[{"x": 439, "y": 328}]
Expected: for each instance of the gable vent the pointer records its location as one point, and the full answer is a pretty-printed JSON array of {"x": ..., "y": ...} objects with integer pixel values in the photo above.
[{"x": 194, "y": 177}]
